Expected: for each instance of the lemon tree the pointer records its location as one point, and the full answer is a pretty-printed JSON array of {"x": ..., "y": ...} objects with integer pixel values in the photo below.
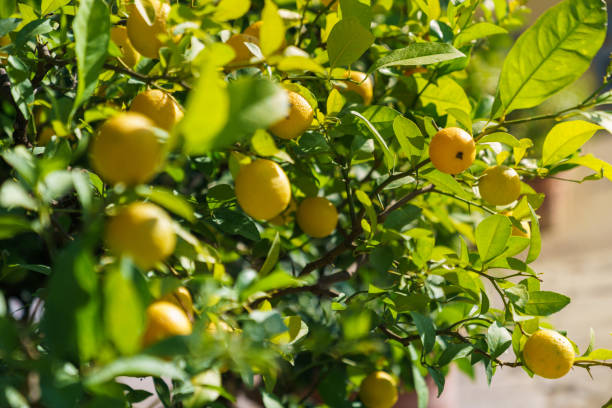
[{"x": 310, "y": 203}]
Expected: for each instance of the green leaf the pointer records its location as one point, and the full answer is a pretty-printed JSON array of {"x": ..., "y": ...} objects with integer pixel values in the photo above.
[
  {"x": 237, "y": 223},
  {"x": 446, "y": 183},
  {"x": 272, "y": 32},
  {"x": 544, "y": 303},
  {"x": 335, "y": 102},
  {"x": 124, "y": 309},
  {"x": 357, "y": 9},
  {"x": 553, "y": 53},
  {"x": 231, "y": 9},
  {"x": 92, "y": 34},
  {"x": 347, "y": 41},
  {"x": 426, "y": 329},
  {"x": 419, "y": 383},
  {"x": 498, "y": 339},
  {"x": 300, "y": 63},
  {"x": 272, "y": 257},
  {"x": 597, "y": 354},
  {"x": 11, "y": 225},
  {"x": 274, "y": 281},
  {"x": 492, "y": 234},
  {"x": 438, "y": 378},
  {"x": 168, "y": 199},
  {"x": 270, "y": 401},
  {"x": 501, "y": 137},
  {"x": 593, "y": 163},
  {"x": 137, "y": 366},
  {"x": 14, "y": 195},
  {"x": 602, "y": 118},
  {"x": 477, "y": 31},
  {"x": 444, "y": 95},
  {"x": 263, "y": 144},
  {"x": 49, "y": 6},
  {"x": 23, "y": 162},
  {"x": 410, "y": 138},
  {"x": 535, "y": 243},
  {"x": 389, "y": 157},
  {"x": 418, "y": 54},
  {"x": 565, "y": 139}
]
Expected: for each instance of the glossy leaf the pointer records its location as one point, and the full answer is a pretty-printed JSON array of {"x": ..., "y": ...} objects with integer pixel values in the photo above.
[
  {"x": 418, "y": 54},
  {"x": 492, "y": 234},
  {"x": 565, "y": 138},
  {"x": 347, "y": 41}
]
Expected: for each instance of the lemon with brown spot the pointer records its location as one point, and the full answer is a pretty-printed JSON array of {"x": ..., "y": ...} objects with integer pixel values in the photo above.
[
  {"x": 242, "y": 53},
  {"x": 548, "y": 354},
  {"x": 129, "y": 55},
  {"x": 158, "y": 106},
  {"x": 378, "y": 390},
  {"x": 165, "y": 320},
  {"x": 499, "y": 185},
  {"x": 317, "y": 217},
  {"x": 263, "y": 189},
  {"x": 126, "y": 150},
  {"x": 142, "y": 231},
  {"x": 297, "y": 121},
  {"x": 360, "y": 83},
  {"x": 452, "y": 150},
  {"x": 147, "y": 39}
]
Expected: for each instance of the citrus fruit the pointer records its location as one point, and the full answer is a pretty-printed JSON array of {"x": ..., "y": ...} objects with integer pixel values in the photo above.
[
  {"x": 334, "y": 6},
  {"x": 165, "y": 319},
  {"x": 548, "y": 354},
  {"x": 378, "y": 390},
  {"x": 126, "y": 149},
  {"x": 146, "y": 38},
  {"x": 213, "y": 328},
  {"x": 262, "y": 189},
  {"x": 286, "y": 216},
  {"x": 182, "y": 298},
  {"x": 499, "y": 185},
  {"x": 452, "y": 150},
  {"x": 364, "y": 89},
  {"x": 317, "y": 217},
  {"x": 129, "y": 55},
  {"x": 297, "y": 121},
  {"x": 142, "y": 231},
  {"x": 237, "y": 42},
  {"x": 254, "y": 31},
  {"x": 158, "y": 106}
]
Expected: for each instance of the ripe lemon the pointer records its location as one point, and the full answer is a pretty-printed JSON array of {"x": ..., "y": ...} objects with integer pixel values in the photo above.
[
  {"x": 499, "y": 185},
  {"x": 144, "y": 37},
  {"x": 286, "y": 216},
  {"x": 334, "y": 6},
  {"x": 243, "y": 54},
  {"x": 182, "y": 298},
  {"x": 158, "y": 106},
  {"x": 143, "y": 231},
  {"x": 262, "y": 189},
  {"x": 364, "y": 89},
  {"x": 254, "y": 31},
  {"x": 378, "y": 390},
  {"x": 297, "y": 121},
  {"x": 317, "y": 217},
  {"x": 548, "y": 354},
  {"x": 452, "y": 150},
  {"x": 164, "y": 320},
  {"x": 129, "y": 55},
  {"x": 126, "y": 149}
]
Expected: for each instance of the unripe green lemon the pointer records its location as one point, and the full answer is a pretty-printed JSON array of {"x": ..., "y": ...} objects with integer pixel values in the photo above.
[
  {"x": 452, "y": 150},
  {"x": 499, "y": 185},
  {"x": 549, "y": 354},
  {"x": 142, "y": 231},
  {"x": 364, "y": 89},
  {"x": 158, "y": 106},
  {"x": 262, "y": 189},
  {"x": 164, "y": 320},
  {"x": 144, "y": 37},
  {"x": 317, "y": 217},
  {"x": 378, "y": 390},
  {"x": 129, "y": 55},
  {"x": 126, "y": 150},
  {"x": 297, "y": 121}
]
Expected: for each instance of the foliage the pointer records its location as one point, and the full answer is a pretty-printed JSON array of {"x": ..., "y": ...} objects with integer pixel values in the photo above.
[{"x": 420, "y": 273}]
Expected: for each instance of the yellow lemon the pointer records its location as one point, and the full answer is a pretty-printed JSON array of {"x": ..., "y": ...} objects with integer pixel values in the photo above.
[
  {"x": 317, "y": 217},
  {"x": 499, "y": 185},
  {"x": 243, "y": 54},
  {"x": 334, "y": 6},
  {"x": 165, "y": 319},
  {"x": 129, "y": 55},
  {"x": 378, "y": 390},
  {"x": 364, "y": 89},
  {"x": 452, "y": 150},
  {"x": 158, "y": 106},
  {"x": 182, "y": 298},
  {"x": 286, "y": 216},
  {"x": 126, "y": 150},
  {"x": 262, "y": 189},
  {"x": 142, "y": 231},
  {"x": 297, "y": 121},
  {"x": 548, "y": 354},
  {"x": 146, "y": 38}
]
